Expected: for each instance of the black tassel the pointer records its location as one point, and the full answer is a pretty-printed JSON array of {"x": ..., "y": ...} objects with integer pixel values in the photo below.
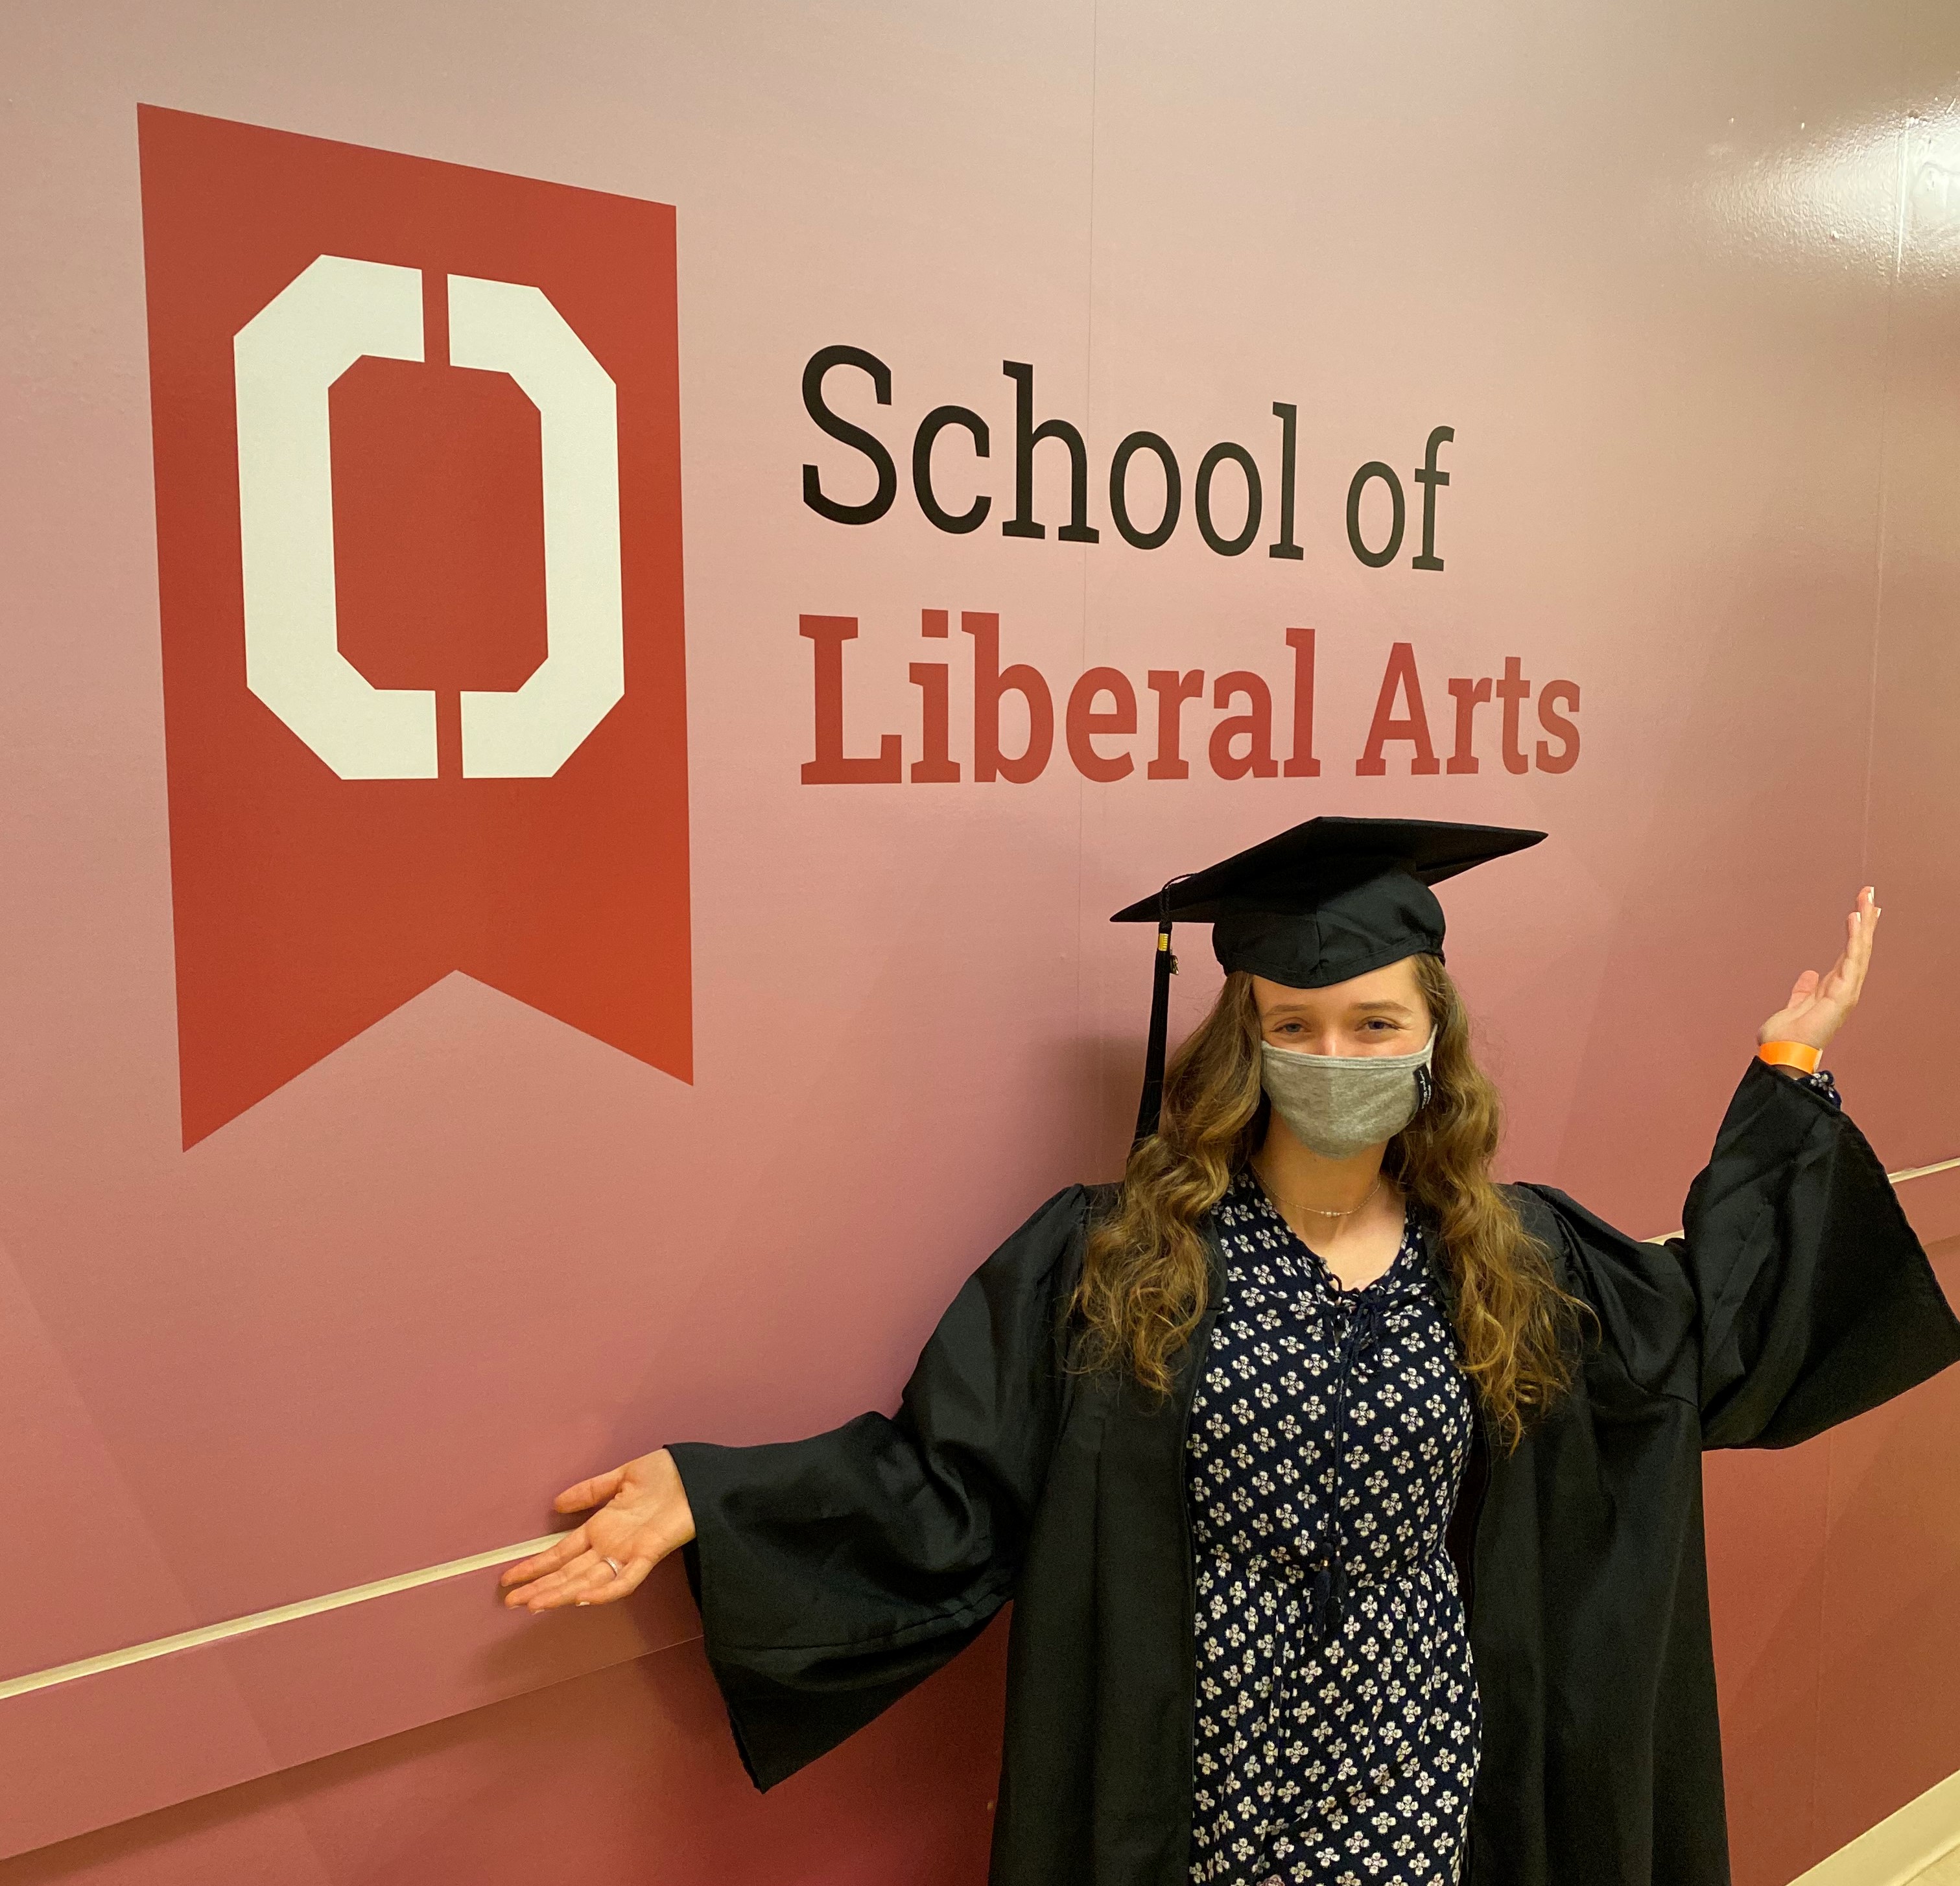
[{"x": 1152, "y": 1102}]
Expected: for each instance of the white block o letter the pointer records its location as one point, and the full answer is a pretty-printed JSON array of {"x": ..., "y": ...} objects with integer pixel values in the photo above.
[
  {"x": 286, "y": 359},
  {"x": 506, "y": 327}
]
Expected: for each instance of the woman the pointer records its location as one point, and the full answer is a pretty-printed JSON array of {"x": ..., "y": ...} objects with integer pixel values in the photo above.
[{"x": 1350, "y": 1503}]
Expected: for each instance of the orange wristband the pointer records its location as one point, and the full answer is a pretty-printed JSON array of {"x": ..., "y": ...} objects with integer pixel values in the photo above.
[{"x": 1798, "y": 1054}]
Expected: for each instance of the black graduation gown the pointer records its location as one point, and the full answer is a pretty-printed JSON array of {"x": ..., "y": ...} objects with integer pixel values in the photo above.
[{"x": 834, "y": 1573}]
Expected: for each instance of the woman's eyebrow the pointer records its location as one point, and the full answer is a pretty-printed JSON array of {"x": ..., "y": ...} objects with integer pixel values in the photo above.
[{"x": 1384, "y": 1006}]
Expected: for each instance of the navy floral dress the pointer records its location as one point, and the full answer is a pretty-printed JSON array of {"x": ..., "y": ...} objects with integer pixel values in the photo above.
[{"x": 1337, "y": 1722}]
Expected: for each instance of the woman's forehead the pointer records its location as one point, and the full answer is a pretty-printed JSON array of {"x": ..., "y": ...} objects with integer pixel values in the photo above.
[{"x": 1394, "y": 985}]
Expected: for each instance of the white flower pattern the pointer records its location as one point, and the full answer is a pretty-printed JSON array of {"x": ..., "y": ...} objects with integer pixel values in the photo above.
[{"x": 1336, "y": 1725}]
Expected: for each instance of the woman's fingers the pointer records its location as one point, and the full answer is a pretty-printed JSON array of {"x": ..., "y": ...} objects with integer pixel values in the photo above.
[
  {"x": 1858, "y": 951},
  {"x": 607, "y": 1586},
  {"x": 1841, "y": 988},
  {"x": 589, "y": 1579},
  {"x": 562, "y": 1586},
  {"x": 1818, "y": 1005},
  {"x": 550, "y": 1559},
  {"x": 594, "y": 1492},
  {"x": 577, "y": 1569}
]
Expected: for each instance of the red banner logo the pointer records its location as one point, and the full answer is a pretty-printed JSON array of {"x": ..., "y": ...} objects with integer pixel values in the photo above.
[{"x": 417, "y": 444}]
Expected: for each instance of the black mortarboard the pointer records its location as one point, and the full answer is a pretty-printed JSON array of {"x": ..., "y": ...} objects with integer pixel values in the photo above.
[{"x": 1329, "y": 899}]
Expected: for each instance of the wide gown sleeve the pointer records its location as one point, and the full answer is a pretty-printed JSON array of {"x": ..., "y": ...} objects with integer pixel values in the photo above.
[
  {"x": 834, "y": 1573},
  {"x": 1796, "y": 1295},
  {"x": 1817, "y": 1302}
]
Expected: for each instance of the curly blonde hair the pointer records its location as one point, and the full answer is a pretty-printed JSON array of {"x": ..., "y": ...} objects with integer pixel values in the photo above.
[{"x": 1146, "y": 1275}]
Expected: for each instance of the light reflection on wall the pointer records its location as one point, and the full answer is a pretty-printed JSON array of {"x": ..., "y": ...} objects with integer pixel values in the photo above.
[{"x": 1883, "y": 193}]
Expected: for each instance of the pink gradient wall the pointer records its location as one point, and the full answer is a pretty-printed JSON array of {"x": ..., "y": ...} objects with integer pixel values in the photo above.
[{"x": 1682, "y": 281}]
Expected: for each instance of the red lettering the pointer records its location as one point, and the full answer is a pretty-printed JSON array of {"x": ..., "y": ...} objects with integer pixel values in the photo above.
[
  {"x": 990, "y": 682},
  {"x": 1513, "y": 690},
  {"x": 1470, "y": 696},
  {"x": 1172, "y": 691},
  {"x": 938, "y": 767},
  {"x": 1400, "y": 680},
  {"x": 827, "y": 635},
  {"x": 1303, "y": 764},
  {"x": 1566, "y": 694},
  {"x": 1256, "y": 724},
  {"x": 1084, "y": 722}
]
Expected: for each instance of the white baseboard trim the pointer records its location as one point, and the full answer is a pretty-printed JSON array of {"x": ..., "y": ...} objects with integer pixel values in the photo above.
[
  {"x": 33, "y": 1680},
  {"x": 1918, "y": 1846},
  {"x": 278, "y": 1614}
]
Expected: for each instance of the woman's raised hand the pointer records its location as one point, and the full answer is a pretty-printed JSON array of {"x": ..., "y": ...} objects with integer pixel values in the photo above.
[
  {"x": 1818, "y": 1005},
  {"x": 645, "y": 1515}
]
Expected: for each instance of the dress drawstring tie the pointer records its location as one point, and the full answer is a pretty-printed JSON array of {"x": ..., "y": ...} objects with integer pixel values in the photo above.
[{"x": 1327, "y": 1596}]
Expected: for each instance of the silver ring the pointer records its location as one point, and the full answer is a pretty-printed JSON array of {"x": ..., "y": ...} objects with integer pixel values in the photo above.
[{"x": 614, "y": 1564}]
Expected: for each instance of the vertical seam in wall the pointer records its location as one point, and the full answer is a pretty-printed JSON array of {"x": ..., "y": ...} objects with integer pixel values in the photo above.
[
  {"x": 1082, "y": 875},
  {"x": 1892, "y": 292},
  {"x": 1892, "y": 289},
  {"x": 1865, "y": 873},
  {"x": 1817, "y": 1666}
]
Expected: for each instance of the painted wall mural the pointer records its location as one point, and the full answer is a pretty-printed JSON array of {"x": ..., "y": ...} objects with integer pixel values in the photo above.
[{"x": 601, "y": 602}]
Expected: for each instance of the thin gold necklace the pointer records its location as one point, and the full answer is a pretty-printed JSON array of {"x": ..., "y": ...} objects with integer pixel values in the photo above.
[{"x": 1315, "y": 1210}]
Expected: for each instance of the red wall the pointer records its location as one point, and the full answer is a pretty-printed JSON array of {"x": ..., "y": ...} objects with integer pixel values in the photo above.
[{"x": 1680, "y": 281}]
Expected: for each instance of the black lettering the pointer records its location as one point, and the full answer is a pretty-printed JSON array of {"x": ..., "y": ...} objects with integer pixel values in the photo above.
[
  {"x": 1429, "y": 478},
  {"x": 1119, "y": 509},
  {"x": 931, "y": 426},
  {"x": 1201, "y": 497},
  {"x": 875, "y": 507},
  {"x": 1375, "y": 559},
  {"x": 1027, "y": 436},
  {"x": 1288, "y": 418}
]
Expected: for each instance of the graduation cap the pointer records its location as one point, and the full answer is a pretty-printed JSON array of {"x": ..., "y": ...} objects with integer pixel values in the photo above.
[{"x": 1328, "y": 900}]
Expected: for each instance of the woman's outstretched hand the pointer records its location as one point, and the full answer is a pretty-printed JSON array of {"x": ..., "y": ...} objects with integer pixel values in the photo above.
[
  {"x": 643, "y": 1517},
  {"x": 1818, "y": 1005}
]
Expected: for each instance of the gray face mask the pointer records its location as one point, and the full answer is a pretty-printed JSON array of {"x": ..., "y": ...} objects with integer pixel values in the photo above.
[{"x": 1340, "y": 1105}]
